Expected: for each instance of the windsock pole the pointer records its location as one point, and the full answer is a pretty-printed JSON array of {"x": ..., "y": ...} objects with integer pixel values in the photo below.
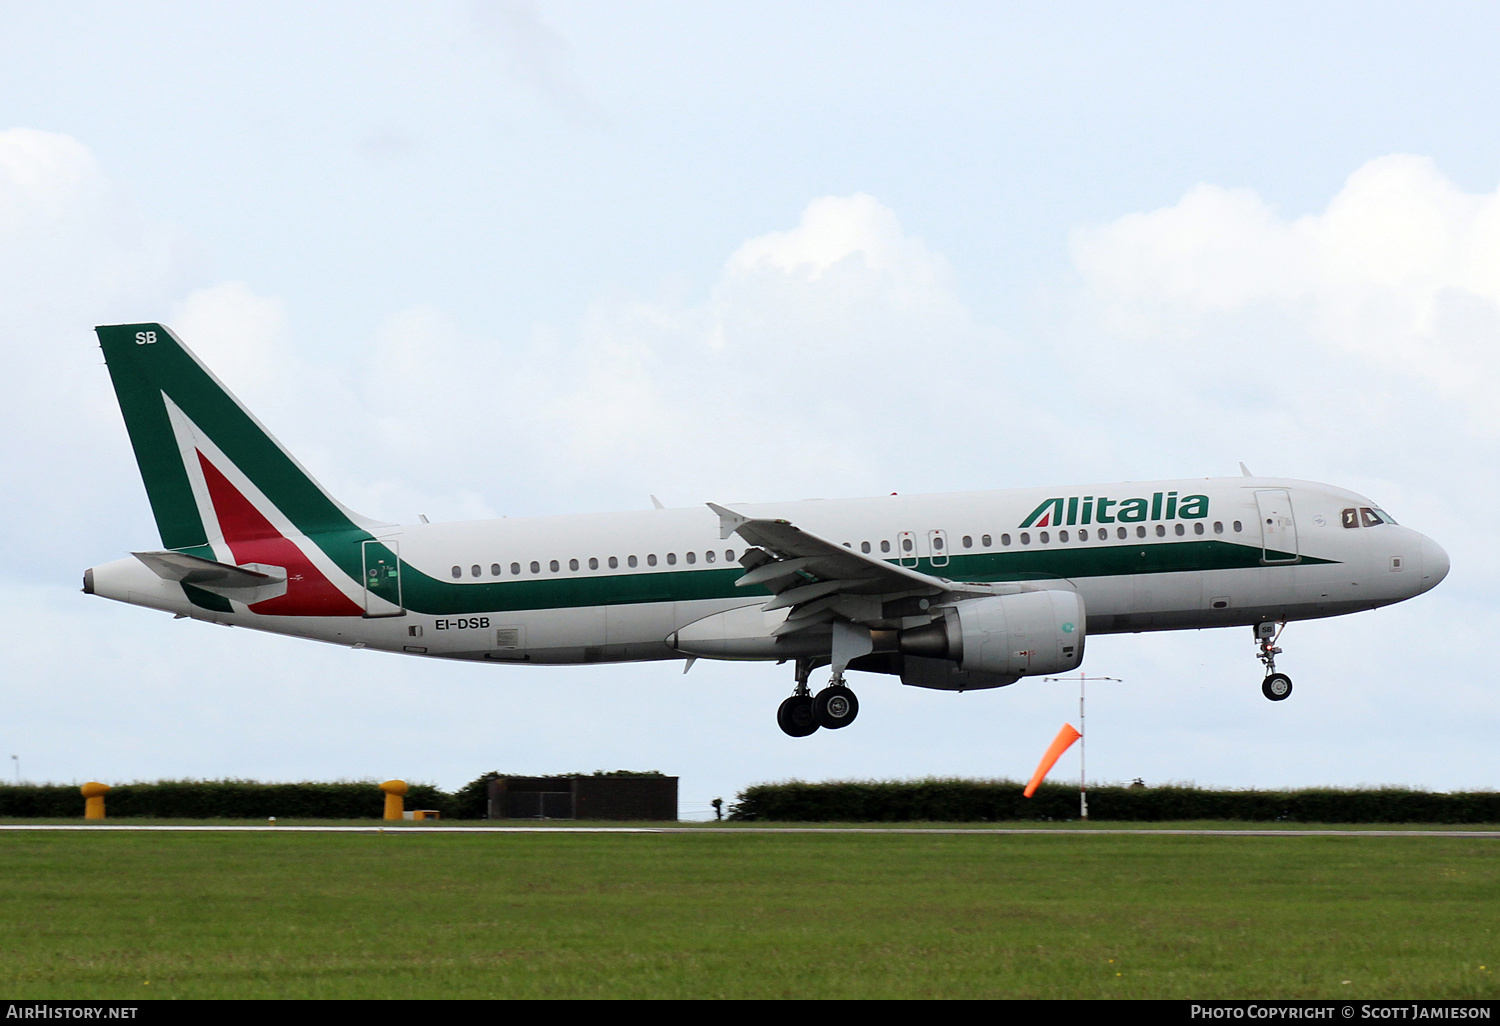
[{"x": 1083, "y": 790}]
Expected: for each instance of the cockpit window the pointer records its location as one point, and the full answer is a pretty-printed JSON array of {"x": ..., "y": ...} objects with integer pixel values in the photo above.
[
  {"x": 1351, "y": 518},
  {"x": 1371, "y": 517},
  {"x": 1385, "y": 517}
]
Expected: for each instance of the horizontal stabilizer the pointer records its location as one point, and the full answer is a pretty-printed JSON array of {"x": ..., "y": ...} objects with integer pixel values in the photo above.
[{"x": 252, "y": 583}]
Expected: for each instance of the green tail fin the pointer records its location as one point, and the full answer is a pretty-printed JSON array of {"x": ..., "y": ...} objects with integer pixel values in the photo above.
[{"x": 179, "y": 416}]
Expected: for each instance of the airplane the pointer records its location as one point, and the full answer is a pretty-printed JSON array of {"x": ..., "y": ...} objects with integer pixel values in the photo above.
[{"x": 959, "y": 592}]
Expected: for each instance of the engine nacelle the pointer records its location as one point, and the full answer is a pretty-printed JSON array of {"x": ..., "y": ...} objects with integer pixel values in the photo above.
[{"x": 1004, "y": 637}]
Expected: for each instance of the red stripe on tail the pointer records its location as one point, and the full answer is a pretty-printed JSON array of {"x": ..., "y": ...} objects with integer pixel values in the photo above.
[{"x": 253, "y": 539}]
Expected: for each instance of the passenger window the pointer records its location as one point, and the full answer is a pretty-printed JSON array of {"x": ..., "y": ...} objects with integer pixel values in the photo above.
[
  {"x": 864, "y": 546},
  {"x": 614, "y": 562},
  {"x": 1238, "y": 527},
  {"x": 553, "y": 566},
  {"x": 671, "y": 559},
  {"x": 536, "y": 567},
  {"x": 1140, "y": 532},
  {"x": 1351, "y": 517},
  {"x": 1042, "y": 537},
  {"x": 708, "y": 557},
  {"x": 458, "y": 573},
  {"x": 885, "y": 546},
  {"x": 937, "y": 543},
  {"x": 515, "y": 568},
  {"x": 691, "y": 558},
  {"x": 968, "y": 542},
  {"x": 1180, "y": 530},
  {"x": 1004, "y": 541},
  {"x": 1218, "y": 527},
  {"x": 593, "y": 563},
  {"x": 632, "y": 561},
  {"x": 1062, "y": 536},
  {"x": 985, "y": 540},
  {"x": 651, "y": 559},
  {"x": 1121, "y": 532},
  {"x": 729, "y": 555},
  {"x": 1198, "y": 527},
  {"x": 906, "y": 545},
  {"x": 494, "y": 569},
  {"x": 1161, "y": 530},
  {"x": 572, "y": 564},
  {"x": 1025, "y": 538}
]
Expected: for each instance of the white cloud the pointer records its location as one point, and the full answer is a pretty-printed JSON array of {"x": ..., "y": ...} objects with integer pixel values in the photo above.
[
  {"x": 1398, "y": 277},
  {"x": 241, "y": 337},
  {"x": 73, "y": 253},
  {"x": 808, "y": 368}
]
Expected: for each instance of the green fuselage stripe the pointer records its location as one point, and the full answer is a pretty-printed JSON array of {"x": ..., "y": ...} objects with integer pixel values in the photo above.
[{"x": 424, "y": 594}]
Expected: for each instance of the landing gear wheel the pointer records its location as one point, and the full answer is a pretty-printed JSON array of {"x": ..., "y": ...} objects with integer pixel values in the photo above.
[
  {"x": 835, "y": 707},
  {"x": 795, "y": 717},
  {"x": 1277, "y": 687}
]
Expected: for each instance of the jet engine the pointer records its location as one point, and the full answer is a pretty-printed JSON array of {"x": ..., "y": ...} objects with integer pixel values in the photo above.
[{"x": 992, "y": 641}]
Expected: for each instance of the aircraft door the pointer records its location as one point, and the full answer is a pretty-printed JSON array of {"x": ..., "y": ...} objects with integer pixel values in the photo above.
[
  {"x": 1278, "y": 528},
  {"x": 383, "y": 579}
]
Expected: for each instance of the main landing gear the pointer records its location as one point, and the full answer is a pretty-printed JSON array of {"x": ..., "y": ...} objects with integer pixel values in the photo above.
[
  {"x": 1277, "y": 686},
  {"x": 833, "y": 707}
]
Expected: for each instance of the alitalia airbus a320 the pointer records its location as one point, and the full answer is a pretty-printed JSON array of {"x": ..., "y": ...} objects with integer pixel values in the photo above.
[{"x": 963, "y": 591}]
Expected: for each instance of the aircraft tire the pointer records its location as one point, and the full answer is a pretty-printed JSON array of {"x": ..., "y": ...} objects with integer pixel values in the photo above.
[
  {"x": 1277, "y": 687},
  {"x": 835, "y": 707},
  {"x": 795, "y": 717}
]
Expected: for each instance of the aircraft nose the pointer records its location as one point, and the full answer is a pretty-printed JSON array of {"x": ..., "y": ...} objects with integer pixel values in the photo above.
[{"x": 1434, "y": 563}]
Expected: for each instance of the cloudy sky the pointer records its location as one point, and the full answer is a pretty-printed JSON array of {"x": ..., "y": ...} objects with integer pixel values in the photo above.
[{"x": 509, "y": 258}]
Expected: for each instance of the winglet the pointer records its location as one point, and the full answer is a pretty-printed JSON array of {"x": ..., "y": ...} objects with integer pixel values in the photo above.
[
  {"x": 1244, "y": 470},
  {"x": 729, "y": 520}
]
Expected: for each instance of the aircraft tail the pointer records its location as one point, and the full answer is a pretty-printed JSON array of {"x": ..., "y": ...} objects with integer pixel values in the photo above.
[{"x": 221, "y": 487}]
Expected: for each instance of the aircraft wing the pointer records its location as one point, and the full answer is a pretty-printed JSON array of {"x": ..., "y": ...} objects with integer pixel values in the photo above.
[{"x": 818, "y": 580}]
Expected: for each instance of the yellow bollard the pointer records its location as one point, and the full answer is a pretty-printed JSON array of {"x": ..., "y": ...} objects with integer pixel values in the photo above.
[
  {"x": 93, "y": 804},
  {"x": 394, "y": 790}
]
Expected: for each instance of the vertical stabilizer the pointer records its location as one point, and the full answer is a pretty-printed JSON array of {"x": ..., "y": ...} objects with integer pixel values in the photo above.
[{"x": 220, "y": 485}]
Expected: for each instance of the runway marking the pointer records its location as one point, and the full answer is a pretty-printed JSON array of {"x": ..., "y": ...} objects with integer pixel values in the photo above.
[{"x": 988, "y": 831}]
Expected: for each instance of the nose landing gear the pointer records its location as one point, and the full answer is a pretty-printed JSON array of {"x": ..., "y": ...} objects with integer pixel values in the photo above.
[
  {"x": 1277, "y": 686},
  {"x": 833, "y": 707}
]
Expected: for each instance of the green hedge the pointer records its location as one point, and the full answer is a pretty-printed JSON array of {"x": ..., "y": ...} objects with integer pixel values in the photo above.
[
  {"x": 962, "y": 801},
  {"x": 249, "y": 799},
  {"x": 220, "y": 799}
]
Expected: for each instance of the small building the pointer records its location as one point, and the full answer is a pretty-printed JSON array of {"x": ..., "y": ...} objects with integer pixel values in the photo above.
[{"x": 583, "y": 797}]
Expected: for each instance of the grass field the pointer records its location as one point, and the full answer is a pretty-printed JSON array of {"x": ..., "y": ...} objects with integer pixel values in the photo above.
[{"x": 733, "y": 914}]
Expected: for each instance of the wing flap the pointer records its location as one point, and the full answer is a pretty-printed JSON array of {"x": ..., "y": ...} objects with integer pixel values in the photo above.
[{"x": 819, "y": 581}]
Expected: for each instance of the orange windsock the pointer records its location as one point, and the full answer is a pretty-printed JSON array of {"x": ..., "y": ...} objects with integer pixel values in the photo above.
[{"x": 1060, "y": 744}]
